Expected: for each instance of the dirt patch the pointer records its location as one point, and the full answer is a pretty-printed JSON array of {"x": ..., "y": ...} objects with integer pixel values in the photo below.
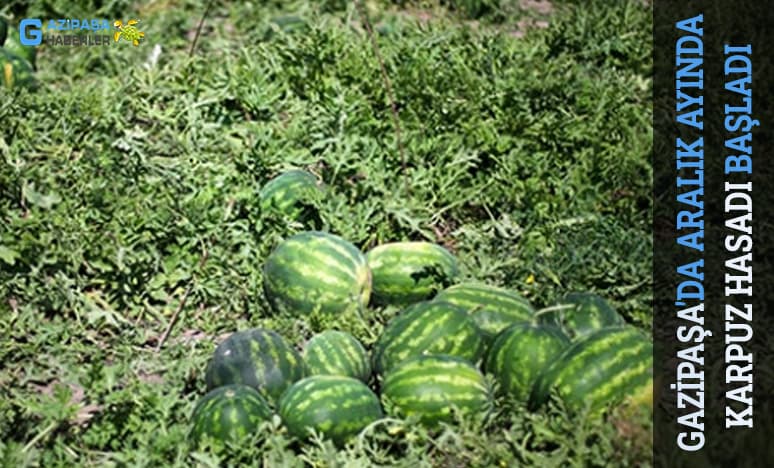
[
  {"x": 544, "y": 7},
  {"x": 534, "y": 12},
  {"x": 151, "y": 378},
  {"x": 524, "y": 25},
  {"x": 85, "y": 412}
]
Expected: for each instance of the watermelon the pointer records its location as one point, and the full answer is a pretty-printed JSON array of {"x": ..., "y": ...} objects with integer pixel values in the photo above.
[
  {"x": 334, "y": 352},
  {"x": 316, "y": 272},
  {"x": 292, "y": 193},
  {"x": 519, "y": 354},
  {"x": 578, "y": 314},
  {"x": 259, "y": 358},
  {"x": 492, "y": 308},
  {"x": 429, "y": 387},
  {"x": 601, "y": 368},
  {"x": 336, "y": 406},
  {"x": 642, "y": 397},
  {"x": 15, "y": 72},
  {"x": 408, "y": 272},
  {"x": 429, "y": 327},
  {"x": 228, "y": 414},
  {"x": 13, "y": 45}
]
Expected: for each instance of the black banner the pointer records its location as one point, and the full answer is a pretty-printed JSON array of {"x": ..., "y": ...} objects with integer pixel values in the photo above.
[{"x": 713, "y": 185}]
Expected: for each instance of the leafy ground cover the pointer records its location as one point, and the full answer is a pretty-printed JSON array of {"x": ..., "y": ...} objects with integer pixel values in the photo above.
[{"x": 129, "y": 184}]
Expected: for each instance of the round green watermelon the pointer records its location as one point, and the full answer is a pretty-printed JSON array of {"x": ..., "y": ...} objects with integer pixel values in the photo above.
[
  {"x": 14, "y": 46},
  {"x": 429, "y": 327},
  {"x": 407, "y": 272},
  {"x": 520, "y": 353},
  {"x": 432, "y": 387},
  {"x": 15, "y": 72},
  {"x": 293, "y": 193},
  {"x": 578, "y": 314},
  {"x": 600, "y": 368},
  {"x": 492, "y": 308},
  {"x": 336, "y": 406},
  {"x": 334, "y": 352},
  {"x": 316, "y": 272},
  {"x": 259, "y": 358},
  {"x": 228, "y": 414}
]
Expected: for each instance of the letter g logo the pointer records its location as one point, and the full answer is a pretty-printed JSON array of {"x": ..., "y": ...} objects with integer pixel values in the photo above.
[{"x": 29, "y": 32}]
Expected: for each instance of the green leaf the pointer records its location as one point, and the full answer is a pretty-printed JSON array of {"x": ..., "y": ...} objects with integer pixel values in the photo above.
[
  {"x": 39, "y": 199},
  {"x": 8, "y": 255}
]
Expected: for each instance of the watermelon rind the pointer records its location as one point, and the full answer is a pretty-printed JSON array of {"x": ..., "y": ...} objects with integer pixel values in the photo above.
[
  {"x": 428, "y": 327},
  {"x": 493, "y": 308},
  {"x": 334, "y": 352},
  {"x": 335, "y": 406},
  {"x": 228, "y": 414},
  {"x": 14, "y": 46},
  {"x": 519, "y": 354},
  {"x": 316, "y": 272},
  {"x": 580, "y": 313},
  {"x": 15, "y": 72},
  {"x": 431, "y": 388},
  {"x": 599, "y": 369},
  {"x": 408, "y": 272},
  {"x": 291, "y": 193},
  {"x": 259, "y": 358}
]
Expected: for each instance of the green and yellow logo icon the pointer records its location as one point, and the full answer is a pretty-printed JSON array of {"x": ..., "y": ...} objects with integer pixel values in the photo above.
[{"x": 129, "y": 32}]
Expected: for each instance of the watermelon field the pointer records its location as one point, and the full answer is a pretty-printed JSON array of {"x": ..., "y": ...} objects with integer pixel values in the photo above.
[{"x": 328, "y": 233}]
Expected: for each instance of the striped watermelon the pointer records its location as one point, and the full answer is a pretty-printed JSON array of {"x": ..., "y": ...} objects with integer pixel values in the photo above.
[
  {"x": 259, "y": 358},
  {"x": 15, "y": 72},
  {"x": 14, "y": 46},
  {"x": 316, "y": 271},
  {"x": 228, "y": 414},
  {"x": 642, "y": 397},
  {"x": 334, "y": 352},
  {"x": 520, "y": 353},
  {"x": 579, "y": 314},
  {"x": 429, "y": 327},
  {"x": 428, "y": 387},
  {"x": 338, "y": 407},
  {"x": 493, "y": 308},
  {"x": 600, "y": 368},
  {"x": 407, "y": 272},
  {"x": 291, "y": 193}
]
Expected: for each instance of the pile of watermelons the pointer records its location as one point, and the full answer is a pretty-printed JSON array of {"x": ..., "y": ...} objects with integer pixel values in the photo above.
[
  {"x": 17, "y": 62},
  {"x": 430, "y": 361}
]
